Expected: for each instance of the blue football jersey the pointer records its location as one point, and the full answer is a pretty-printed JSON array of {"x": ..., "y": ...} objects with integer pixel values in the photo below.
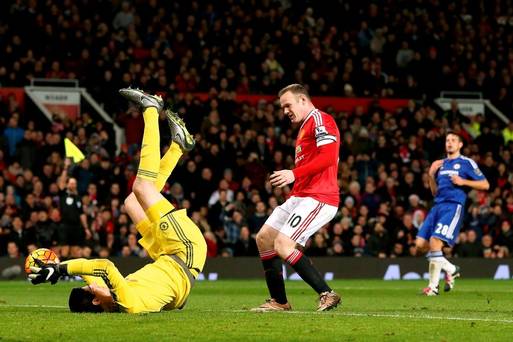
[{"x": 462, "y": 166}]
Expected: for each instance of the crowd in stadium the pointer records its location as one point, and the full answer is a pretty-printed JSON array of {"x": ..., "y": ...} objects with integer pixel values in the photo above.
[{"x": 409, "y": 51}]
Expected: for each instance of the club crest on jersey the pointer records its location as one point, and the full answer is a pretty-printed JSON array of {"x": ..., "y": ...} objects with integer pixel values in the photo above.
[
  {"x": 298, "y": 149},
  {"x": 164, "y": 226},
  {"x": 457, "y": 166}
]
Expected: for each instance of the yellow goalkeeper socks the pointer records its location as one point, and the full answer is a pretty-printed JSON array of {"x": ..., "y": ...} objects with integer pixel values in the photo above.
[
  {"x": 167, "y": 164},
  {"x": 150, "y": 149},
  {"x": 159, "y": 209}
]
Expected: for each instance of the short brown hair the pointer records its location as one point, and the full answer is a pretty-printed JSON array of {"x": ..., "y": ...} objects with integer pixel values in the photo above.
[
  {"x": 460, "y": 138},
  {"x": 81, "y": 300},
  {"x": 295, "y": 89}
]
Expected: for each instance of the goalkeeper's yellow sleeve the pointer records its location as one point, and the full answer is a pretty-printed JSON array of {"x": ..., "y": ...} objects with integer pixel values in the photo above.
[
  {"x": 94, "y": 280},
  {"x": 109, "y": 274}
]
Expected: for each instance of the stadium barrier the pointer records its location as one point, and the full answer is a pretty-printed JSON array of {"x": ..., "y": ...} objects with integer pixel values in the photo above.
[
  {"x": 341, "y": 104},
  {"x": 335, "y": 102},
  {"x": 470, "y": 104},
  {"x": 63, "y": 98},
  {"x": 330, "y": 267}
]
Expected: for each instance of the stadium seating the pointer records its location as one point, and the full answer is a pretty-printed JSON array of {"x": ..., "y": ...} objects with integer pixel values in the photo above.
[{"x": 398, "y": 50}]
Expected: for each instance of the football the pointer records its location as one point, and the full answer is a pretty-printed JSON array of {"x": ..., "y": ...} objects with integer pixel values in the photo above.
[{"x": 44, "y": 254}]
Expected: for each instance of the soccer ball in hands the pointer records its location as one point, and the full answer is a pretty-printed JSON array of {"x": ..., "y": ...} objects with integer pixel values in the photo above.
[{"x": 45, "y": 255}]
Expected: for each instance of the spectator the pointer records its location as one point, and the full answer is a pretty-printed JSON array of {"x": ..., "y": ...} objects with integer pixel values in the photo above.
[
  {"x": 205, "y": 187},
  {"x": 385, "y": 153},
  {"x": 471, "y": 247},
  {"x": 404, "y": 55},
  {"x": 379, "y": 55},
  {"x": 475, "y": 221},
  {"x": 232, "y": 221},
  {"x": 407, "y": 232},
  {"x": 13, "y": 134},
  {"x": 132, "y": 122},
  {"x": 507, "y": 133},
  {"x": 370, "y": 199},
  {"x": 487, "y": 247},
  {"x": 223, "y": 186},
  {"x": 176, "y": 195},
  {"x": 18, "y": 235},
  {"x": 505, "y": 237},
  {"x": 216, "y": 211},
  {"x": 211, "y": 240},
  {"x": 246, "y": 245},
  {"x": 124, "y": 17},
  {"x": 13, "y": 250},
  {"x": 133, "y": 248},
  {"x": 26, "y": 150},
  {"x": 337, "y": 249},
  {"x": 378, "y": 242},
  {"x": 45, "y": 230},
  {"x": 198, "y": 217},
  {"x": 258, "y": 218},
  {"x": 398, "y": 251},
  {"x": 453, "y": 115},
  {"x": 318, "y": 246}
]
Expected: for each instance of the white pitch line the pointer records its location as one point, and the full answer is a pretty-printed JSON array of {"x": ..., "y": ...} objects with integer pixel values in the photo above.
[
  {"x": 32, "y": 306},
  {"x": 336, "y": 313},
  {"x": 365, "y": 314},
  {"x": 459, "y": 289}
]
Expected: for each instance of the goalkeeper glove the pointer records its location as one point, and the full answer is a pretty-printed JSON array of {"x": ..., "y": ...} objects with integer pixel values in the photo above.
[{"x": 45, "y": 273}]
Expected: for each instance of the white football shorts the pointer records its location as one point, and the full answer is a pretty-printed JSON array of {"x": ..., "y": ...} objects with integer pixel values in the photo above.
[{"x": 300, "y": 217}]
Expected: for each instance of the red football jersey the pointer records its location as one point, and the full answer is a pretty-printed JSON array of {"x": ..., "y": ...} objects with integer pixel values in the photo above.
[{"x": 318, "y": 129}]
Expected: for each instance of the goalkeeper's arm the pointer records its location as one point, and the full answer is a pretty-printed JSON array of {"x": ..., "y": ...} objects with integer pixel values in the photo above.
[
  {"x": 101, "y": 268},
  {"x": 107, "y": 271}
]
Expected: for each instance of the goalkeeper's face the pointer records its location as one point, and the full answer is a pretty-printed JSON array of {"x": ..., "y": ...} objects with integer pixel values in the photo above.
[{"x": 102, "y": 297}]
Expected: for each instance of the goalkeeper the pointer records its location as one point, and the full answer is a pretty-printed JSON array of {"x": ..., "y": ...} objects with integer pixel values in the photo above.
[{"x": 171, "y": 239}]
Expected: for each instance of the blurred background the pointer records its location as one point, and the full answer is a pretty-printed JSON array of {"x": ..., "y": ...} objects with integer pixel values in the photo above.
[{"x": 396, "y": 75}]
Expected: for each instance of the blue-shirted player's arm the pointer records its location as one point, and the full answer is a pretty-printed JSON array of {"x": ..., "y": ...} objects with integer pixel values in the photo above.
[
  {"x": 476, "y": 179},
  {"x": 432, "y": 175}
]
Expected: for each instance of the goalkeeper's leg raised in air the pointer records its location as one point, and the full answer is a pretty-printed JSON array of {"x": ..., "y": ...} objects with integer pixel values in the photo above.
[{"x": 170, "y": 238}]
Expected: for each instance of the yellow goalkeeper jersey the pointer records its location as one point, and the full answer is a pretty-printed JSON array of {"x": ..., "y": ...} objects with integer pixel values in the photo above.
[{"x": 162, "y": 285}]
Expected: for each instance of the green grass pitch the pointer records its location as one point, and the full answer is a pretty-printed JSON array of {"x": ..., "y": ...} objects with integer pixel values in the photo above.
[{"x": 372, "y": 310}]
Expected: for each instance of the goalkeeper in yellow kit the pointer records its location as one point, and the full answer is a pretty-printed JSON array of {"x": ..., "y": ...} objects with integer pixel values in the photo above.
[{"x": 172, "y": 240}]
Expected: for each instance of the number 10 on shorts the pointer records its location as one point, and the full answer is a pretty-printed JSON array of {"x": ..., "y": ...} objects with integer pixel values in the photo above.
[{"x": 294, "y": 220}]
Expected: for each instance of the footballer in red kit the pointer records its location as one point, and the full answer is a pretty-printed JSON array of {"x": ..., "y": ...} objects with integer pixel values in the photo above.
[
  {"x": 313, "y": 201},
  {"x": 315, "y": 171}
]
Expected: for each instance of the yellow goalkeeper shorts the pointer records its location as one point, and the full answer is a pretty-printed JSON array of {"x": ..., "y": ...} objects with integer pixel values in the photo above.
[{"x": 174, "y": 233}]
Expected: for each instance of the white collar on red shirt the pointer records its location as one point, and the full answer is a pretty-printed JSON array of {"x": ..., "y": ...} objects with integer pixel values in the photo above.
[{"x": 316, "y": 114}]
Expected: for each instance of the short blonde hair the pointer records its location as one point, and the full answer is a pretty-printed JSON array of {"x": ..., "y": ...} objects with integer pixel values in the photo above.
[{"x": 295, "y": 89}]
